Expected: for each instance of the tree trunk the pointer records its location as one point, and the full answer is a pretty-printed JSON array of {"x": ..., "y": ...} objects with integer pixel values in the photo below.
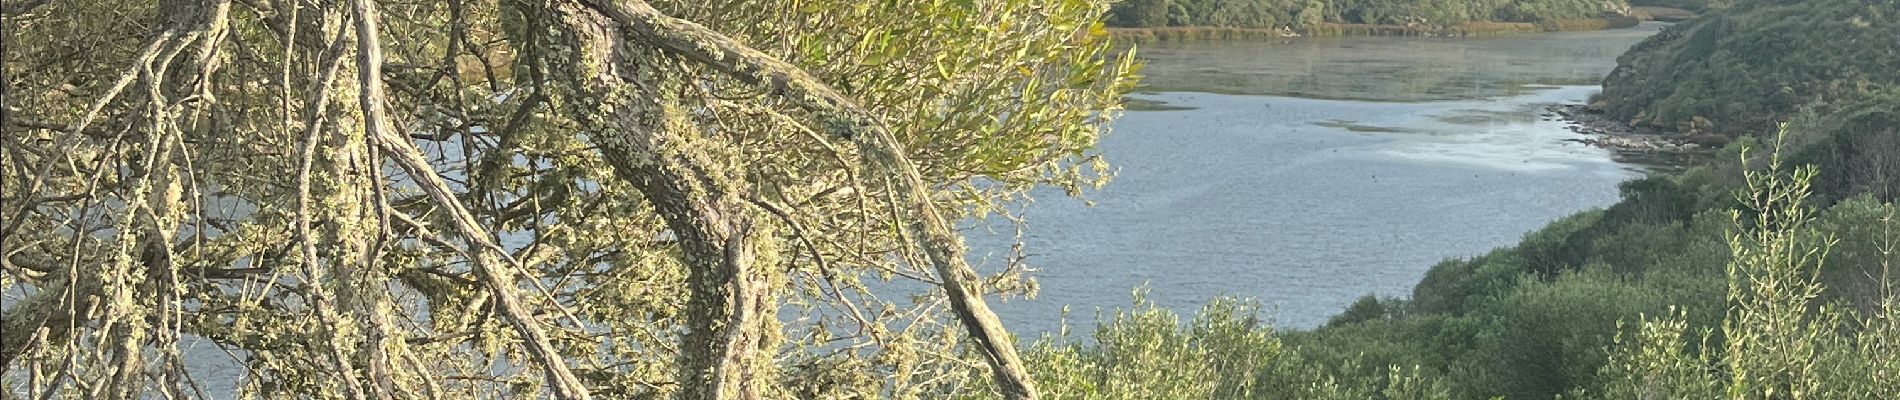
[
  {"x": 729, "y": 314},
  {"x": 729, "y": 308}
]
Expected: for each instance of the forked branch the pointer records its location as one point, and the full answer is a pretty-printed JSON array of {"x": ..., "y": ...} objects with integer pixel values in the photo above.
[{"x": 878, "y": 147}]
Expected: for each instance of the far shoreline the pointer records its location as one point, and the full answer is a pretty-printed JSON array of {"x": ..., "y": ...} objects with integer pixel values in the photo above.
[{"x": 1330, "y": 29}]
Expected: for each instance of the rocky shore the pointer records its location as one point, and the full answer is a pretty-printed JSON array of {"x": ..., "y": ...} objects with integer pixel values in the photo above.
[{"x": 1637, "y": 144}]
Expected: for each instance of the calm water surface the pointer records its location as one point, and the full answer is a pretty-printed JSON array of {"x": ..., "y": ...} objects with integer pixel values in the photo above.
[{"x": 1308, "y": 173}]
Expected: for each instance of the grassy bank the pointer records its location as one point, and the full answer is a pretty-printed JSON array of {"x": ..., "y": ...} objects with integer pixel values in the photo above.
[
  {"x": 1477, "y": 28},
  {"x": 1194, "y": 33}
]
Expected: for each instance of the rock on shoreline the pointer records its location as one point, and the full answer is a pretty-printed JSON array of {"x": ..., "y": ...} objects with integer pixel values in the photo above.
[{"x": 1601, "y": 131}]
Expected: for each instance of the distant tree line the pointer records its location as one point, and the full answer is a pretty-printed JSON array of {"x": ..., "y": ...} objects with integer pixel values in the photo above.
[
  {"x": 1691, "y": 5},
  {"x": 1305, "y": 13}
]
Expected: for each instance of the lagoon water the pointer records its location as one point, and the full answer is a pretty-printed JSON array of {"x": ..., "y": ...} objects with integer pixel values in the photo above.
[{"x": 1310, "y": 172}]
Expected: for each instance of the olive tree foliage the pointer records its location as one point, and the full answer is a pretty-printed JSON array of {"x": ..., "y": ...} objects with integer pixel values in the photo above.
[
  {"x": 504, "y": 198},
  {"x": 1776, "y": 341}
]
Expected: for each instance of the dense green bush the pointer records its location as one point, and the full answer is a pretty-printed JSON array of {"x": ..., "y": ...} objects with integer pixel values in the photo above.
[
  {"x": 1540, "y": 319},
  {"x": 1367, "y": 308},
  {"x": 1776, "y": 340},
  {"x": 1140, "y": 13},
  {"x": 1867, "y": 243},
  {"x": 1225, "y": 352},
  {"x": 1857, "y": 140},
  {"x": 1546, "y": 337}
]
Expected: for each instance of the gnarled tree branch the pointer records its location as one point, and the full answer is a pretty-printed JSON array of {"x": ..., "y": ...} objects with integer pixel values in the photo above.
[
  {"x": 651, "y": 146},
  {"x": 878, "y": 147}
]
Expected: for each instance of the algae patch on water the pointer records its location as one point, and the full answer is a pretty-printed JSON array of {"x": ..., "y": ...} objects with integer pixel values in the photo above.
[
  {"x": 1478, "y": 117},
  {"x": 1355, "y": 126},
  {"x": 1134, "y": 104}
]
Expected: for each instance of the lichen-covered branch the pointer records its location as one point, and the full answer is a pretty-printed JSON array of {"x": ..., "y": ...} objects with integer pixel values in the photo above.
[
  {"x": 653, "y": 147},
  {"x": 497, "y": 268},
  {"x": 876, "y": 144},
  {"x": 361, "y": 199},
  {"x": 320, "y": 298}
]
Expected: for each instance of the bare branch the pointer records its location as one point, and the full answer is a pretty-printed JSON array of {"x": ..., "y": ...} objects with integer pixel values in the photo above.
[{"x": 495, "y": 263}]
